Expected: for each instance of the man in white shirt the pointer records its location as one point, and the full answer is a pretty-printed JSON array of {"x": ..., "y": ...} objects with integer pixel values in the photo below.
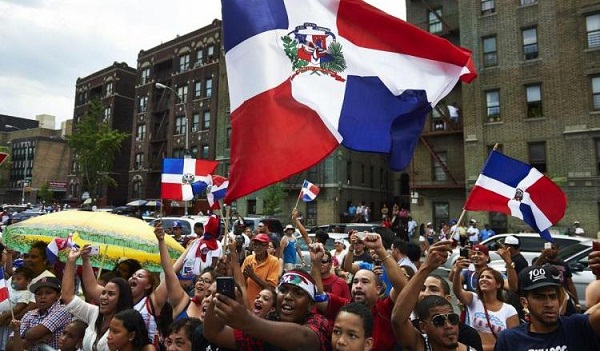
[{"x": 473, "y": 232}]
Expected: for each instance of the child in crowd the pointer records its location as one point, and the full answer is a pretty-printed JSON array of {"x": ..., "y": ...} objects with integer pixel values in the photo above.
[
  {"x": 71, "y": 338},
  {"x": 18, "y": 298}
]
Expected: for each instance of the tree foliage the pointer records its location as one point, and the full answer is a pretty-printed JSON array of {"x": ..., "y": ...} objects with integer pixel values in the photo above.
[
  {"x": 274, "y": 196},
  {"x": 45, "y": 194},
  {"x": 95, "y": 146}
]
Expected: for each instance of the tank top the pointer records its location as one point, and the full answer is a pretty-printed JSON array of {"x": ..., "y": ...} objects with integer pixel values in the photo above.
[
  {"x": 289, "y": 252},
  {"x": 144, "y": 309}
]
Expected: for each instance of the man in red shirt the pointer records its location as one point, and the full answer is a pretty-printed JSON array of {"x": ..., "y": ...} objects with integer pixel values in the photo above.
[
  {"x": 332, "y": 283},
  {"x": 367, "y": 289}
]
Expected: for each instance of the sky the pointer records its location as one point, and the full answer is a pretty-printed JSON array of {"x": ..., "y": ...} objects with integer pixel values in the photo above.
[{"x": 47, "y": 44}]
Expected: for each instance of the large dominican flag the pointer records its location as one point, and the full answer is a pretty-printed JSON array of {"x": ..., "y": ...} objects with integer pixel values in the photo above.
[
  {"x": 305, "y": 76},
  {"x": 179, "y": 174},
  {"x": 510, "y": 186}
]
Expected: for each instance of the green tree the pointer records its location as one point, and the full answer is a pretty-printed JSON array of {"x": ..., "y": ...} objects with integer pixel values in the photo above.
[
  {"x": 95, "y": 146},
  {"x": 274, "y": 196},
  {"x": 45, "y": 194}
]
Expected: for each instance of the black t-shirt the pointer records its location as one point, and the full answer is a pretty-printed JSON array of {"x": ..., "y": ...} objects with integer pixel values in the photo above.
[
  {"x": 520, "y": 262},
  {"x": 201, "y": 344},
  {"x": 364, "y": 257}
]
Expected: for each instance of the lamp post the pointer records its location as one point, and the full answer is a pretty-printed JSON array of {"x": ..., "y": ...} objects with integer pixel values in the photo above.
[
  {"x": 24, "y": 181},
  {"x": 186, "y": 153}
]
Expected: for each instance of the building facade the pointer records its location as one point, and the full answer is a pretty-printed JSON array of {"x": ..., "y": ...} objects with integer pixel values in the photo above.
[
  {"x": 114, "y": 87},
  {"x": 536, "y": 95},
  {"x": 176, "y": 106}
]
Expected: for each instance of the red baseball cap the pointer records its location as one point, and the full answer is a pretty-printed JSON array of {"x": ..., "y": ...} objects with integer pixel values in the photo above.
[
  {"x": 481, "y": 248},
  {"x": 262, "y": 237}
]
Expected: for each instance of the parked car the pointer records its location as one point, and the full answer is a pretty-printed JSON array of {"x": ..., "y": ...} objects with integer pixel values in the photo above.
[
  {"x": 531, "y": 246},
  {"x": 328, "y": 246},
  {"x": 24, "y": 215},
  {"x": 346, "y": 227},
  {"x": 187, "y": 223},
  {"x": 576, "y": 256},
  {"x": 274, "y": 224}
]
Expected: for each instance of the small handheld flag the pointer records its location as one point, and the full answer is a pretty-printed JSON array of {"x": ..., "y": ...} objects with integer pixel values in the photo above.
[
  {"x": 309, "y": 191},
  {"x": 56, "y": 245}
]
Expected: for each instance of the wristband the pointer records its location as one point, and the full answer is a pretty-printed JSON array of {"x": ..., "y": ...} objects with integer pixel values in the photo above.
[{"x": 322, "y": 297}]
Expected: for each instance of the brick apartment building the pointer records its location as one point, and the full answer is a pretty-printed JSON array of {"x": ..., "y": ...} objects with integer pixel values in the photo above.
[
  {"x": 176, "y": 106},
  {"x": 537, "y": 96},
  {"x": 114, "y": 86}
]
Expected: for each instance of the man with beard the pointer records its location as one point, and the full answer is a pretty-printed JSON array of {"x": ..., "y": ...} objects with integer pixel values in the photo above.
[
  {"x": 367, "y": 288},
  {"x": 294, "y": 326},
  {"x": 542, "y": 295}
]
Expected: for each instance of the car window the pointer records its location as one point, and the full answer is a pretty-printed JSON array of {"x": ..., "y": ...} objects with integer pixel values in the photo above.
[
  {"x": 572, "y": 250},
  {"x": 565, "y": 242},
  {"x": 532, "y": 244}
]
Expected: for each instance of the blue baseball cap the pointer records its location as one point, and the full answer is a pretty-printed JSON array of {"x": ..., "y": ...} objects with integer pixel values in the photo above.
[{"x": 176, "y": 225}]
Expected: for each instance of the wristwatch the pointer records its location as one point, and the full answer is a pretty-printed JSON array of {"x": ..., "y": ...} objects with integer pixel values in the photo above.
[{"x": 322, "y": 297}]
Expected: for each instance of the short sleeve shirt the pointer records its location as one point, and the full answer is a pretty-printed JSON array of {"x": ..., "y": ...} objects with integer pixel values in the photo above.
[{"x": 55, "y": 319}]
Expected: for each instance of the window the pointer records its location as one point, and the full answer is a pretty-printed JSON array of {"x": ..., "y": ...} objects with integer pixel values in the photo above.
[
  {"x": 199, "y": 57},
  {"x": 438, "y": 170},
  {"x": 195, "y": 122},
  {"x": 206, "y": 120},
  {"x": 251, "y": 207},
  {"x": 182, "y": 92},
  {"x": 210, "y": 52},
  {"x": 198, "y": 89},
  {"x": 204, "y": 153},
  {"x": 228, "y": 138},
  {"x": 441, "y": 213},
  {"x": 372, "y": 177},
  {"x": 142, "y": 104},
  {"x": 137, "y": 189},
  {"x": 534, "y": 101},
  {"x": 209, "y": 87},
  {"x": 178, "y": 153},
  {"x": 109, "y": 89},
  {"x": 140, "y": 132},
  {"x": 362, "y": 174},
  {"x": 596, "y": 92},
  {"x": 528, "y": 2},
  {"x": 184, "y": 62},
  {"x": 107, "y": 114},
  {"x": 492, "y": 99},
  {"x": 530, "y": 44},
  {"x": 436, "y": 120},
  {"x": 180, "y": 125},
  {"x": 139, "y": 161},
  {"x": 490, "y": 53},
  {"x": 537, "y": 155},
  {"x": 311, "y": 213},
  {"x": 349, "y": 172},
  {"x": 487, "y": 6},
  {"x": 592, "y": 26},
  {"x": 194, "y": 151},
  {"x": 145, "y": 77},
  {"x": 435, "y": 21}
]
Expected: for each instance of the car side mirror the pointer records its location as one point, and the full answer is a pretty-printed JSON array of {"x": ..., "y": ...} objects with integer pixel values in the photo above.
[{"x": 577, "y": 267}]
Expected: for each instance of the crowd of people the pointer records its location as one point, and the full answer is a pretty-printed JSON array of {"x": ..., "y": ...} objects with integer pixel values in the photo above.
[{"x": 247, "y": 290}]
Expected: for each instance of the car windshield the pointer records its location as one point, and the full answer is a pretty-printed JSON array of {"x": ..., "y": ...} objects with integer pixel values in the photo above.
[{"x": 571, "y": 250}]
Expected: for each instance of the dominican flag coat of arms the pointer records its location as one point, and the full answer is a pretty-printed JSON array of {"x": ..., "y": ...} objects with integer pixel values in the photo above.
[{"x": 308, "y": 75}]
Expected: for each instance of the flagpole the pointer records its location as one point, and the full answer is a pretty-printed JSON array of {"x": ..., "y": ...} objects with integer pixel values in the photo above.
[
  {"x": 226, "y": 241},
  {"x": 462, "y": 215},
  {"x": 298, "y": 199},
  {"x": 102, "y": 262}
]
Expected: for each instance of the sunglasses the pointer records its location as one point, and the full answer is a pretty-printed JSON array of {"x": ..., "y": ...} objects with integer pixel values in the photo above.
[
  {"x": 439, "y": 320},
  {"x": 325, "y": 261}
]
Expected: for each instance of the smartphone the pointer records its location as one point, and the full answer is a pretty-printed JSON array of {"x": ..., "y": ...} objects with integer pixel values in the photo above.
[
  {"x": 377, "y": 262},
  {"x": 464, "y": 252},
  {"x": 547, "y": 246},
  {"x": 94, "y": 250},
  {"x": 226, "y": 287}
]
